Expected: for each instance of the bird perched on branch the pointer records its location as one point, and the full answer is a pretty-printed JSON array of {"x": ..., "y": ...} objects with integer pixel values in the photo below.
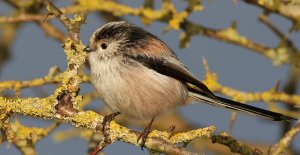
[{"x": 138, "y": 75}]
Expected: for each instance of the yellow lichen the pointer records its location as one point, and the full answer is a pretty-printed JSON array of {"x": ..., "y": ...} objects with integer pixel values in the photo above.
[
  {"x": 233, "y": 34},
  {"x": 70, "y": 79},
  {"x": 278, "y": 56},
  {"x": 190, "y": 135},
  {"x": 280, "y": 148},
  {"x": 177, "y": 19}
]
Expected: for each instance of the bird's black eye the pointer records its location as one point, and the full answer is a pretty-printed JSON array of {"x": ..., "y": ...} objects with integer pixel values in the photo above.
[{"x": 104, "y": 45}]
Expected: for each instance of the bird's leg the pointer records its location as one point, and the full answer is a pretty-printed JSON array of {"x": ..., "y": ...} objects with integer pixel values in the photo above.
[
  {"x": 145, "y": 133},
  {"x": 171, "y": 130},
  {"x": 107, "y": 119}
]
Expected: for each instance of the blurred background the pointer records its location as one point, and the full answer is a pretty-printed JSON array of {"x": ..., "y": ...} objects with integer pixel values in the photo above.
[{"x": 32, "y": 54}]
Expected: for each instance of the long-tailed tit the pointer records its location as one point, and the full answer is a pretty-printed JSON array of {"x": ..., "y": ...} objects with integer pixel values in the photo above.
[{"x": 139, "y": 76}]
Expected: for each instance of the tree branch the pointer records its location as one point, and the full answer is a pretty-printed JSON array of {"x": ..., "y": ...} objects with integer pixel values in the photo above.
[
  {"x": 285, "y": 141},
  {"x": 234, "y": 145},
  {"x": 72, "y": 25},
  {"x": 278, "y": 7},
  {"x": 158, "y": 141}
]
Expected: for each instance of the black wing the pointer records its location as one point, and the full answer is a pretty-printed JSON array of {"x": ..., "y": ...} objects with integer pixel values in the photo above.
[{"x": 174, "y": 68}]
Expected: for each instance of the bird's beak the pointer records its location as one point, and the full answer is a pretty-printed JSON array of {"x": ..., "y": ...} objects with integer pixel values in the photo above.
[{"x": 87, "y": 49}]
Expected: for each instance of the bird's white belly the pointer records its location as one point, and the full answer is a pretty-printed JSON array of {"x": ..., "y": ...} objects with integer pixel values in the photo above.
[{"x": 135, "y": 90}]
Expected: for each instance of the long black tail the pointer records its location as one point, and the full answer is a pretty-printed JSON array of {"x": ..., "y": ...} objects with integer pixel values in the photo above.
[{"x": 233, "y": 105}]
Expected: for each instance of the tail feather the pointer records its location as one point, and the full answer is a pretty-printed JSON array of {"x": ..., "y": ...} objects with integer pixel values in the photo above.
[{"x": 233, "y": 105}]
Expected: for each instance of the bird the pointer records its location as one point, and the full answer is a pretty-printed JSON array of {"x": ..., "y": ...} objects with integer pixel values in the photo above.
[{"x": 139, "y": 76}]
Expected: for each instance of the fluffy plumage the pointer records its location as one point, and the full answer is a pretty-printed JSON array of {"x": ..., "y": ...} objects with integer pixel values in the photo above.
[{"x": 138, "y": 75}]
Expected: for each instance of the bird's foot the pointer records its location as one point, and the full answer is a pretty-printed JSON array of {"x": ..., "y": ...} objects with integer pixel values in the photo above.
[
  {"x": 171, "y": 131},
  {"x": 107, "y": 119},
  {"x": 105, "y": 131},
  {"x": 144, "y": 135}
]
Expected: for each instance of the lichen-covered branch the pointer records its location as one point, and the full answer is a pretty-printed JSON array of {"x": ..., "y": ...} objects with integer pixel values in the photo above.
[
  {"x": 21, "y": 18},
  {"x": 54, "y": 76},
  {"x": 65, "y": 104},
  {"x": 287, "y": 9},
  {"x": 285, "y": 141},
  {"x": 26, "y": 137},
  {"x": 234, "y": 145},
  {"x": 279, "y": 56},
  {"x": 72, "y": 25},
  {"x": 44, "y": 108}
]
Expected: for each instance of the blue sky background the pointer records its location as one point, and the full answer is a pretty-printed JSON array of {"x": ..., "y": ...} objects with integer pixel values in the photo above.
[{"x": 33, "y": 54}]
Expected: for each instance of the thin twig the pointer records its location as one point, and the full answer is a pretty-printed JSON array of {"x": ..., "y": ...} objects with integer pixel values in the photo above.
[
  {"x": 285, "y": 141},
  {"x": 279, "y": 9},
  {"x": 234, "y": 145},
  {"x": 284, "y": 38},
  {"x": 73, "y": 26}
]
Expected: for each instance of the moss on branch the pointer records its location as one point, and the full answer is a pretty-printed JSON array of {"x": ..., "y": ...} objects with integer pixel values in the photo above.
[
  {"x": 44, "y": 108},
  {"x": 234, "y": 145},
  {"x": 282, "y": 145},
  {"x": 67, "y": 91}
]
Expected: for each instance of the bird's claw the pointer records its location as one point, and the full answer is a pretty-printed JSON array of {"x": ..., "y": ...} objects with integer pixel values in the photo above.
[{"x": 144, "y": 135}]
